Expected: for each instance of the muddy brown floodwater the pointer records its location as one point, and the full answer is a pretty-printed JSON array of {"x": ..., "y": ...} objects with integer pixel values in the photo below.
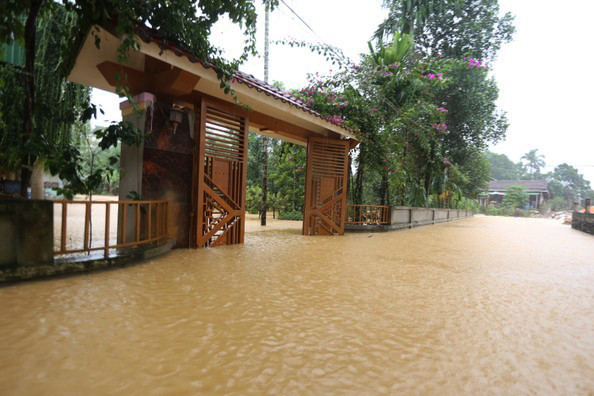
[{"x": 480, "y": 306}]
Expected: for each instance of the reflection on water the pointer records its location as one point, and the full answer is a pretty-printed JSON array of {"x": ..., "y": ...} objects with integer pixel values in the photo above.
[{"x": 485, "y": 305}]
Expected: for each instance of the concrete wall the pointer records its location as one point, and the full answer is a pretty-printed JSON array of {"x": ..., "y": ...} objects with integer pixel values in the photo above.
[
  {"x": 131, "y": 159},
  {"x": 407, "y": 217},
  {"x": 583, "y": 222},
  {"x": 167, "y": 168},
  {"x": 26, "y": 233}
]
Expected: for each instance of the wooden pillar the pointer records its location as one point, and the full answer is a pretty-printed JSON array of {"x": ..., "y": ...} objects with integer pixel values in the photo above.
[
  {"x": 326, "y": 186},
  {"x": 220, "y": 172}
]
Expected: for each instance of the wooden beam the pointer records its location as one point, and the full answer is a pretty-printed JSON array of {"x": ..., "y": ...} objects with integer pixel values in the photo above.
[
  {"x": 262, "y": 121},
  {"x": 117, "y": 74},
  {"x": 174, "y": 82},
  {"x": 154, "y": 65}
]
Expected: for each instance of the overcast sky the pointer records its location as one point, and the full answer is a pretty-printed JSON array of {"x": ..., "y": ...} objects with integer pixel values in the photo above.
[{"x": 545, "y": 84}]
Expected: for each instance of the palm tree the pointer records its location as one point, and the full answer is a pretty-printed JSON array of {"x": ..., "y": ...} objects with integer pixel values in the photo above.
[{"x": 534, "y": 161}]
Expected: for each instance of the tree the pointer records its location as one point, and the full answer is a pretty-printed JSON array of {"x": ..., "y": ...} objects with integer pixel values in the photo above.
[
  {"x": 450, "y": 28},
  {"x": 288, "y": 177},
  {"x": 515, "y": 197},
  {"x": 59, "y": 105},
  {"x": 184, "y": 22},
  {"x": 534, "y": 162},
  {"x": 565, "y": 181},
  {"x": 407, "y": 16},
  {"x": 471, "y": 28},
  {"x": 502, "y": 168}
]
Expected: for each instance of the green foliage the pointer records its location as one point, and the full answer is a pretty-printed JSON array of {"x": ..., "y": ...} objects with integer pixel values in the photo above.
[
  {"x": 410, "y": 15},
  {"x": 390, "y": 55},
  {"x": 61, "y": 108},
  {"x": 475, "y": 28},
  {"x": 534, "y": 163},
  {"x": 492, "y": 210},
  {"x": 558, "y": 203},
  {"x": 502, "y": 168},
  {"x": 472, "y": 118},
  {"x": 187, "y": 23},
  {"x": 291, "y": 216},
  {"x": 288, "y": 177},
  {"x": 254, "y": 171},
  {"x": 515, "y": 197},
  {"x": 253, "y": 199},
  {"x": 565, "y": 181}
]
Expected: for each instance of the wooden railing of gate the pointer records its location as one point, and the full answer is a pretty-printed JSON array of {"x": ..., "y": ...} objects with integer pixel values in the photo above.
[
  {"x": 368, "y": 214},
  {"x": 146, "y": 219}
]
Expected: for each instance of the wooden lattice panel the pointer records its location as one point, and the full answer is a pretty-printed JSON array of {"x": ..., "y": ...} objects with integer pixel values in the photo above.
[
  {"x": 326, "y": 187},
  {"x": 221, "y": 177}
]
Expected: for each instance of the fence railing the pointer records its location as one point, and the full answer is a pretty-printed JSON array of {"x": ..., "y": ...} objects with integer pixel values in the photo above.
[
  {"x": 368, "y": 214},
  {"x": 86, "y": 226}
]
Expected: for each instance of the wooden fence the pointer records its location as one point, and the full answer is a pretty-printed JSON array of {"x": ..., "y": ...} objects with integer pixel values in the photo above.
[
  {"x": 137, "y": 223},
  {"x": 368, "y": 214}
]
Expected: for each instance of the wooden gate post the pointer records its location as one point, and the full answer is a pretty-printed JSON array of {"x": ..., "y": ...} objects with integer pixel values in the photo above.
[
  {"x": 220, "y": 172},
  {"x": 326, "y": 186}
]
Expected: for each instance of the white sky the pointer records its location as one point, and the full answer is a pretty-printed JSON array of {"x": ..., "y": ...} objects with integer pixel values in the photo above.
[{"x": 543, "y": 75}]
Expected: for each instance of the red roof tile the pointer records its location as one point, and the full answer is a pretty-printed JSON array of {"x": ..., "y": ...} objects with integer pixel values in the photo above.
[{"x": 152, "y": 36}]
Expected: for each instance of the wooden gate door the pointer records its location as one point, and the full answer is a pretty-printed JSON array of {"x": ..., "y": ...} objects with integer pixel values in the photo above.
[
  {"x": 326, "y": 186},
  {"x": 220, "y": 170}
]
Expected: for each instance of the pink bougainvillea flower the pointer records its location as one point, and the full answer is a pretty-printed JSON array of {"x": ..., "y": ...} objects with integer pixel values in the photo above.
[{"x": 431, "y": 76}]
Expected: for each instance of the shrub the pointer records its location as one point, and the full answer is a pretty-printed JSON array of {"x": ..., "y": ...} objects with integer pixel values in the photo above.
[
  {"x": 519, "y": 213},
  {"x": 507, "y": 211},
  {"x": 290, "y": 216},
  {"x": 492, "y": 210},
  {"x": 515, "y": 197}
]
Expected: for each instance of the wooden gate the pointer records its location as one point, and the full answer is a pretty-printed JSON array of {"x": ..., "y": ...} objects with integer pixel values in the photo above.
[
  {"x": 220, "y": 169},
  {"x": 326, "y": 186}
]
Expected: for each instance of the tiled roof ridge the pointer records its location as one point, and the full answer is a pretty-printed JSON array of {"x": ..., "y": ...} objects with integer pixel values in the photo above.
[{"x": 149, "y": 35}]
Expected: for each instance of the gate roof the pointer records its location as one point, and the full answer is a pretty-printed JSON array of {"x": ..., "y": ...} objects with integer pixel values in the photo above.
[{"x": 170, "y": 71}]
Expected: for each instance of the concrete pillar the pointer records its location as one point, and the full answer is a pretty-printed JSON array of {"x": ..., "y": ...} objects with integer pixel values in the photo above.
[
  {"x": 131, "y": 158},
  {"x": 37, "y": 181},
  {"x": 588, "y": 204}
]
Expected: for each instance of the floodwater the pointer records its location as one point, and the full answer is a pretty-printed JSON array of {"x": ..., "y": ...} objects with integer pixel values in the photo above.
[{"x": 486, "y": 305}]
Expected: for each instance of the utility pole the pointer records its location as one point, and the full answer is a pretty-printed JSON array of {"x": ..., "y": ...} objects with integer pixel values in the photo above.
[{"x": 264, "y": 138}]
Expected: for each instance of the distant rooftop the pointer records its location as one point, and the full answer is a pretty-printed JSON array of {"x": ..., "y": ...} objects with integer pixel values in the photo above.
[{"x": 529, "y": 185}]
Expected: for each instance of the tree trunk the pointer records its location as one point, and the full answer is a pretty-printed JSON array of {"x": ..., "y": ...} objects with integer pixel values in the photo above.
[
  {"x": 358, "y": 188},
  {"x": 37, "y": 181},
  {"x": 25, "y": 180},
  {"x": 427, "y": 181},
  {"x": 384, "y": 188},
  {"x": 264, "y": 181},
  {"x": 28, "y": 114}
]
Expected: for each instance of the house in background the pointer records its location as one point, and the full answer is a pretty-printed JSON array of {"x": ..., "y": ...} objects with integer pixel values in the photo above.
[{"x": 536, "y": 189}]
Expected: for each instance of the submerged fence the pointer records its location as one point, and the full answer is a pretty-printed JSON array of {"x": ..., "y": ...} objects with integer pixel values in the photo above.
[
  {"x": 86, "y": 226},
  {"x": 363, "y": 218},
  {"x": 368, "y": 214}
]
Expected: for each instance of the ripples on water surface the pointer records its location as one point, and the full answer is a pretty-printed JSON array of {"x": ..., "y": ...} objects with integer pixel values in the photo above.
[{"x": 485, "y": 305}]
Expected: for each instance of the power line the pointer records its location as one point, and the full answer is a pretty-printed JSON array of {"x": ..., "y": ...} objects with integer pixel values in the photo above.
[{"x": 339, "y": 55}]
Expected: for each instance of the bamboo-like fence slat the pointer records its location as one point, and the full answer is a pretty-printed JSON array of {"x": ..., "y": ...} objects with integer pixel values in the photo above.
[
  {"x": 368, "y": 214},
  {"x": 141, "y": 237}
]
